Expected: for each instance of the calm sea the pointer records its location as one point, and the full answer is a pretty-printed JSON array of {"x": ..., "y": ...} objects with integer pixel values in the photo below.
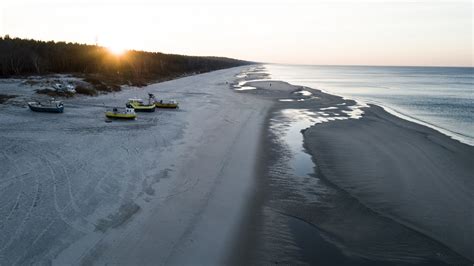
[{"x": 439, "y": 97}]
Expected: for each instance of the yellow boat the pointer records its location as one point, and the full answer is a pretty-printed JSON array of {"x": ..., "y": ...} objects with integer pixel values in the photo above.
[
  {"x": 140, "y": 106},
  {"x": 166, "y": 104},
  {"x": 121, "y": 113},
  {"x": 162, "y": 103}
]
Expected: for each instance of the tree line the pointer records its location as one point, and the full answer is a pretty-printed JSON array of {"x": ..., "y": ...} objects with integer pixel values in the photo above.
[{"x": 32, "y": 57}]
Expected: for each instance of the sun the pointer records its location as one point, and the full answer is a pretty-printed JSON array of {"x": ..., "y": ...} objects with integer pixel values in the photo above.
[{"x": 116, "y": 50}]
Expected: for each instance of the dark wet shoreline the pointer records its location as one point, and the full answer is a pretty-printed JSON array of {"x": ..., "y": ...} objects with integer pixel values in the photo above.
[{"x": 288, "y": 226}]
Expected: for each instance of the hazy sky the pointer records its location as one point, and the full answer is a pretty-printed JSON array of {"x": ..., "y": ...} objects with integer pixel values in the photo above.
[{"x": 397, "y": 32}]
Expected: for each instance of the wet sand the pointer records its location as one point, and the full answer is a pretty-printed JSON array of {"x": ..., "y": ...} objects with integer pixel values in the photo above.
[
  {"x": 405, "y": 171},
  {"x": 308, "y": 207}
]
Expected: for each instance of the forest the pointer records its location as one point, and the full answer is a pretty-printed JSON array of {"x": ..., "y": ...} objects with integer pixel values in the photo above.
[{"x": 23, "y": 57}]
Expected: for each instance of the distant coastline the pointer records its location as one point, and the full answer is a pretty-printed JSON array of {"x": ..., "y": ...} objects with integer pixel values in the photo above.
[{"x": 101, "y": 70}]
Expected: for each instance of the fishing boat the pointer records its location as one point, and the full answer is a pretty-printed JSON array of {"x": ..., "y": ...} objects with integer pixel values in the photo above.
[
  {"x": 166, "y": 104},
  {"x": 140, "y": 106},
  {"x": 163, "y": 103},
  {"x": 121, "y": 113},
  {"x": 49, "y": 107}
]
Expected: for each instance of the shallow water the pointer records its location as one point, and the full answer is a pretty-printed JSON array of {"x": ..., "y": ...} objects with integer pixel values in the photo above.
[
  {"x": 309, "y": 220},
  {"x": 241, "y": 85},
  {"x": 301, "y": 161},
  {"x": 440, "y": 97},
  {"x": 245, "y": 88},
  {"x": 304, "y": 93}
]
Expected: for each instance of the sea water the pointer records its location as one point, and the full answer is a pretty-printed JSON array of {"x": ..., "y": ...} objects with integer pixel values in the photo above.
[
  {"x": 439, "y": 97},
  {"x": 309, "y": 220}
]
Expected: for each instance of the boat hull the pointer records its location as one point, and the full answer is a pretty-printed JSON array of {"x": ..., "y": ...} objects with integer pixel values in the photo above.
[
  {"x": 142, "y": 108},
  {"x": 120, "y": 116},
  {"x": 46, "y": 109},
  {"x": 164, "y": 105}
]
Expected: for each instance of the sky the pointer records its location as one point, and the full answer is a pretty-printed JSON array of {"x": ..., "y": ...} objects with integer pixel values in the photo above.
[{"x": 314, "y": 32}]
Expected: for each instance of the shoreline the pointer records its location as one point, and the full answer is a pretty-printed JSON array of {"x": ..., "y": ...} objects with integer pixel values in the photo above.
[
  {"x": 464, "y": 139},
  {"x": 419, "y": 248},
  {"x": 459, "y": 134},
  {"x": 438, "y": 150}
]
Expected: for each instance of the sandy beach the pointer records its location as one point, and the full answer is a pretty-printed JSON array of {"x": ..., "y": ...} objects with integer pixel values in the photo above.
[
  {"x": 249, "y": 171},
  {"x": 165, "y": 188}
]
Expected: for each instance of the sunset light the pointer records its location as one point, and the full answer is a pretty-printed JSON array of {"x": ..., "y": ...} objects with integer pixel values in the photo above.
[
  {"x": 237, "y": 132},
  {"x": 117, "y": 50}
]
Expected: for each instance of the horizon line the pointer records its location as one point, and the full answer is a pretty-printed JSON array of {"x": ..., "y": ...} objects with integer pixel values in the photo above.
[
  {"x": 251, "y": 61},
  {"x": 364, "y": 65}
]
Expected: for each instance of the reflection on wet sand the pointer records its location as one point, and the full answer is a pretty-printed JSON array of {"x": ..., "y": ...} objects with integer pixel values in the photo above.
[{"x": 306, "y": 219}]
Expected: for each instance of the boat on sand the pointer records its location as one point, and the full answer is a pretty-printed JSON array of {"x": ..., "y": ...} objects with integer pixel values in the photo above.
[
  {"x": 140, "y": 106},
  {"x": 48, "y": 107},
  {"x": 121, "y": 113},
  {"x": 167, "y": 104},
  {"x": 163, "y": 103}
]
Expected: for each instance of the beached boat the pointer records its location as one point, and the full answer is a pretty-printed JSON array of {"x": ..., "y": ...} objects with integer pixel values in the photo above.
[
  {"x": 121, "y": 113},
  {"x": 49, "y": 107},
  {"x": 166, "y": 104},
  {"x": 162, "y": 103},
  {"x": 140, "y": 106}
]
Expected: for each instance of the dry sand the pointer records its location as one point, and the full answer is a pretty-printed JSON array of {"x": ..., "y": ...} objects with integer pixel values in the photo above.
[{"x": 168, "y": 188}]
